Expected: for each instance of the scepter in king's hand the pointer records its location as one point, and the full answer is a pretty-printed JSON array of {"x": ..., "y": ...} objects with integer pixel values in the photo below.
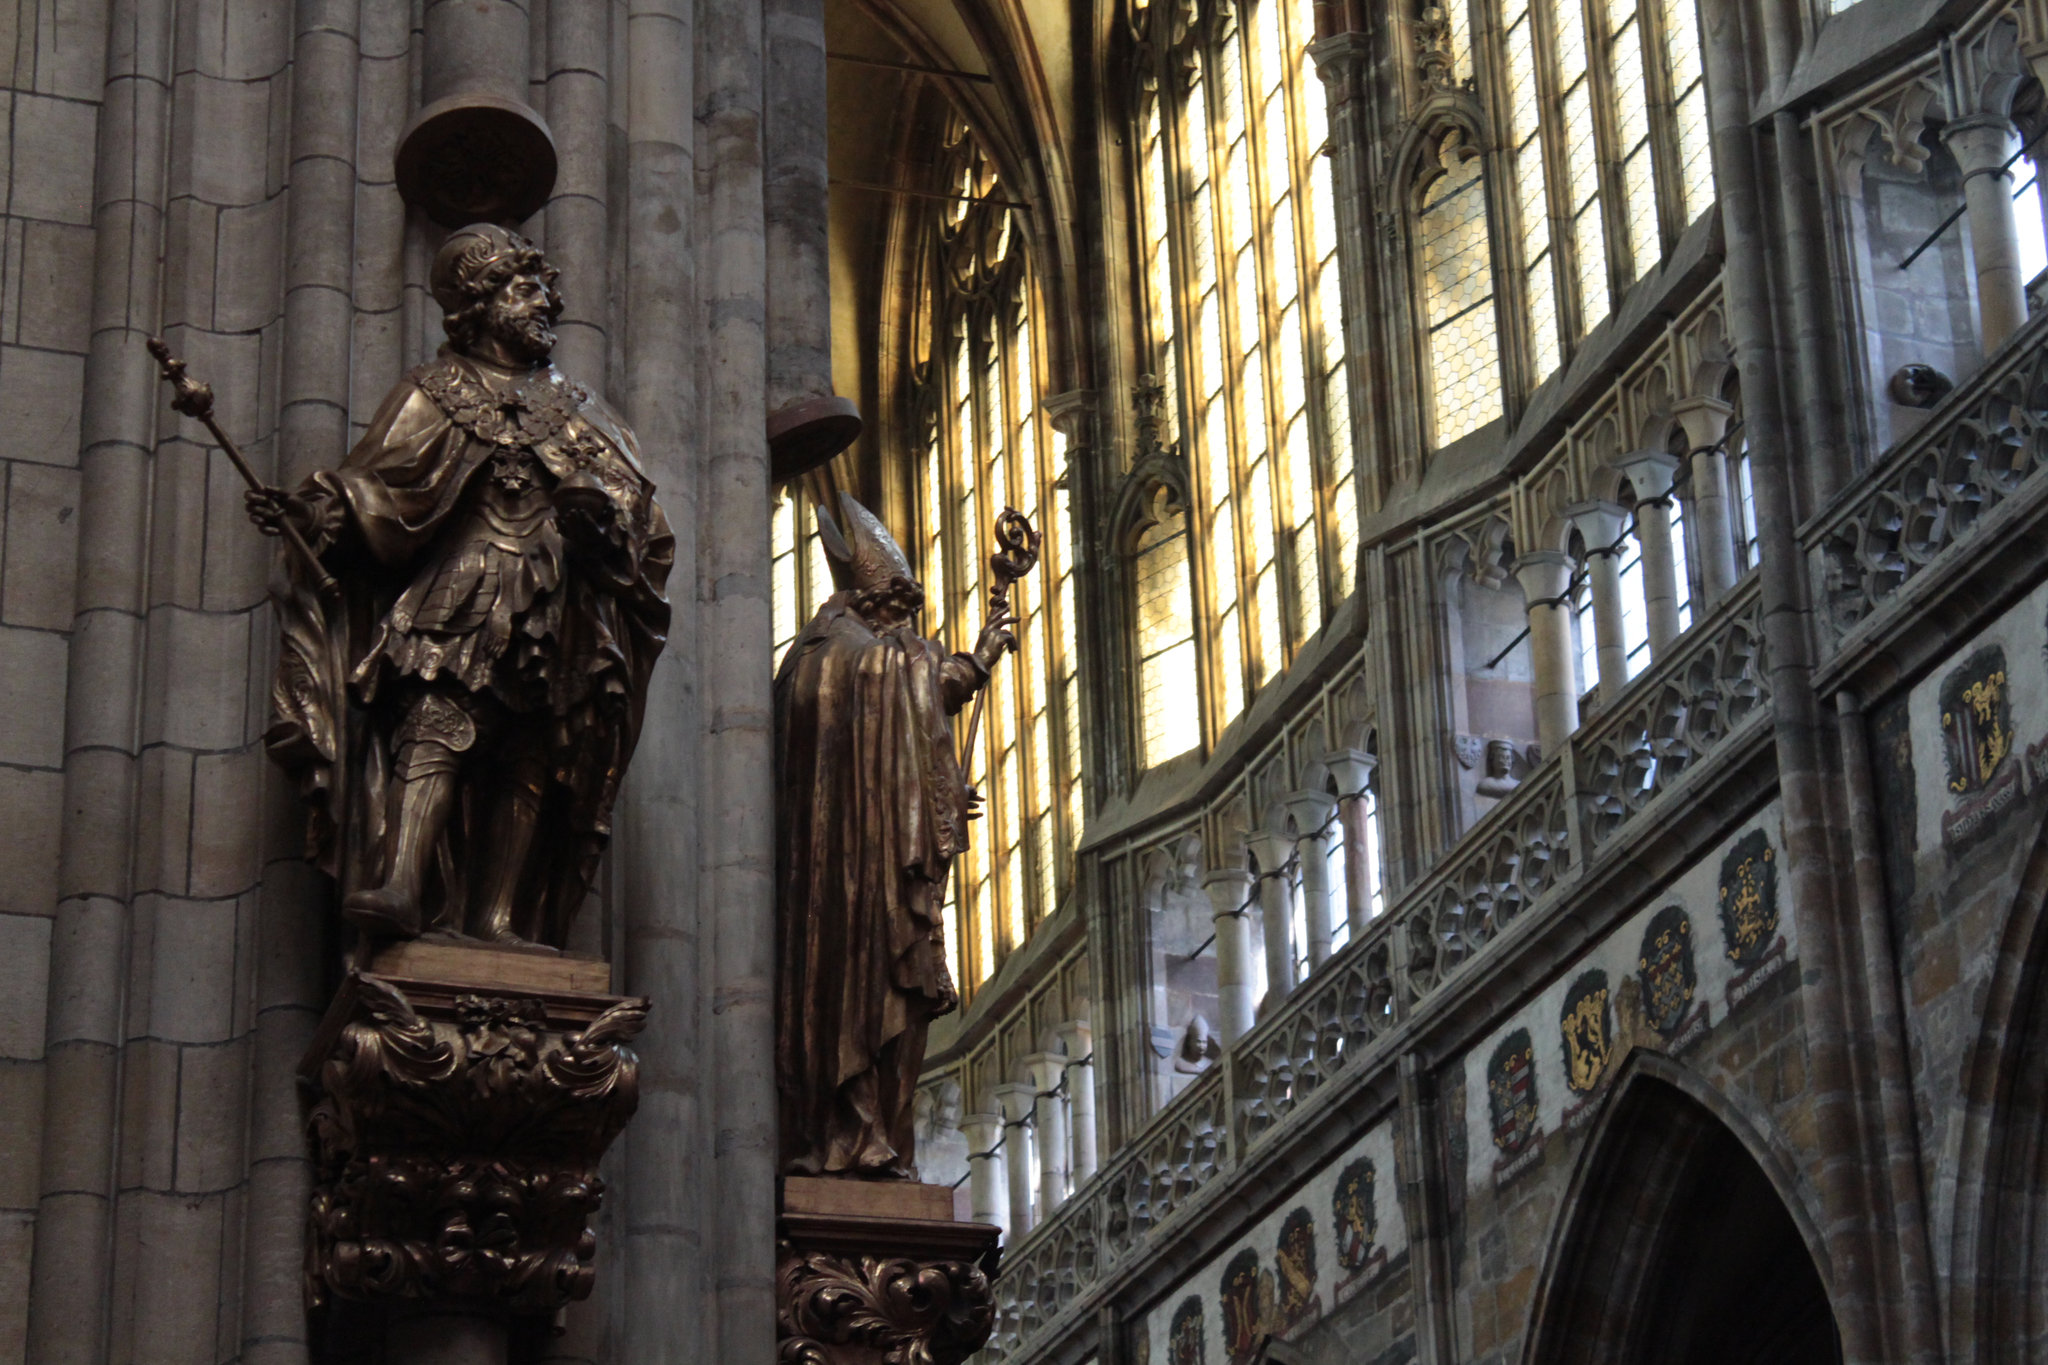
[
  {"x": 195, "y": 400},
  {"x": 1017, "y": 557}
]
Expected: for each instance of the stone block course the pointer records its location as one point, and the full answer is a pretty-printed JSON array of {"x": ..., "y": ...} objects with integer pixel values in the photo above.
[
  {"x": 54, "y": 301},
  {"x": 31, "y": 811},
  {"x": 40, "y": 393},
  {"x": 213, "y": 1085},
  {"x": 226, "y": 790},
  {"x": 41, "y": 539},
  {"x": 21, "y": 1134},
  {"x": 24, "y": 979},
  {"x": 17, "y": 1244},
  {"x": 196, "y": 970},
  {"x": 32, "y": 664},
  {"x": 52, "y": 164}
]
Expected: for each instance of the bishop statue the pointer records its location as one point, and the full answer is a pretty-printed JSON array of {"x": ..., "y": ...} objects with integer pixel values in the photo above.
[{"x": 872, "y": 808}]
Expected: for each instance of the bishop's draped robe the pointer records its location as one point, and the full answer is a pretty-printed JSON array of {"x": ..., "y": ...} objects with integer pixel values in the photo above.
[{"x": 871, "y": 810}]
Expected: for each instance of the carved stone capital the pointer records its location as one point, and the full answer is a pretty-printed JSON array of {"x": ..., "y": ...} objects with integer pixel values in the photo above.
[
  {"x": 456, "y": 1132},
  {"x": 878, "y": 1288}
]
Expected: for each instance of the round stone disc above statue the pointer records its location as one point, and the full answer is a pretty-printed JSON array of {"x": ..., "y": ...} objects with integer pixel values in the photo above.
[
  {"x": 476, "y": 157},
  {"x": 806, "y": 433}
]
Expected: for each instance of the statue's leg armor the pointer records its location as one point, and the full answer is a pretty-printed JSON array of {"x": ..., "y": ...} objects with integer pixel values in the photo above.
[
  {"x": 512, "y": 830},
  {"x": 431, "y": 743}
]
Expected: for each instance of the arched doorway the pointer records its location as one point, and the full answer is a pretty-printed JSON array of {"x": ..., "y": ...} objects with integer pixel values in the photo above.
[{"x": 1676, "y": 1248}]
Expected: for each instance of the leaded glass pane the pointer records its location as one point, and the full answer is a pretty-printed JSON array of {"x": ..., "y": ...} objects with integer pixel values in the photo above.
[{"x": 1458, "y": 294}]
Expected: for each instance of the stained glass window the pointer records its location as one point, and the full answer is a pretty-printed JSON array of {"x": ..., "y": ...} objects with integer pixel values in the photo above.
[
  {"x": 1238, "y": 236},
  {"x": 1169, "y": 717},
  {"x": 1457, "y": 291},
  {"x": 988, "y": 448},
  {"x": 799, "y": 578},
  {"x": 1605, "y": 153}
]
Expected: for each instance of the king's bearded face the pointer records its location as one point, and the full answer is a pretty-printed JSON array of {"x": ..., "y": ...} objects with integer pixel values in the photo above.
[{"x": 521, "y": 316}]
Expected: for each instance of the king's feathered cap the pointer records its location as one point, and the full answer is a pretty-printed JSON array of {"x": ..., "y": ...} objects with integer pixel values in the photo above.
[{"x": 859, "y": 548}]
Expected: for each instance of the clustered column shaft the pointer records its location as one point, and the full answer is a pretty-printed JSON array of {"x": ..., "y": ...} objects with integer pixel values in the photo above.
[
  {"x": 1228, "y": 891},
  {"x": 1546, "y": 578}
]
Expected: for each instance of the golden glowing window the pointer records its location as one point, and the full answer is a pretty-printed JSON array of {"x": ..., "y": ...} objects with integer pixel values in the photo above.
[
  {"x": 1457, "y": 292},
  {"x": 985, "y": 446},
  {"x": 1169, "y": 716},
  {"x": 799, "y": 578},
  {"x": 1606, "y": 153},
  {"x": 1237, "y": 235}
]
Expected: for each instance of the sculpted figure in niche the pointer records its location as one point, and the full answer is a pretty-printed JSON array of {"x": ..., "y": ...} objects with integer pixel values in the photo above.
[
  {"x": 871, "y": 810},
  {"x": 458, "y": 709},
  {"x": 1501, "y": 761}
]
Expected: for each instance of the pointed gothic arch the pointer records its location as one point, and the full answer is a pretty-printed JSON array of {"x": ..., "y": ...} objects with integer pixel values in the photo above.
[
  {"x": 1999, "y": 1245},
  {"x": 1682, "y": 1240}
]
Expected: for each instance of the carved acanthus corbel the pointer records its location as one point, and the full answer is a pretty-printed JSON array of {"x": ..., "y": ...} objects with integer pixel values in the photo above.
[{"x": 456, "y": 1143}]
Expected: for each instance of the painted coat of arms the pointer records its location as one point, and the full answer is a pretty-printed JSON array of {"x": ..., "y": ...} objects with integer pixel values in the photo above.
[
  {"x": 1355, "y": 1216},
  {"x": 1294, "y": 1264},
  {"x": 1185, "y": 1343},
  {"x": 1976, "y": 740},
  {"x": 1585, "y": 1027},
  {"x": 1511, "y": 1102},
  {"x": 1670, "y": 978},
  {"x": 1748, "y": 896},
  {"x": 1247, "y": 1302}
]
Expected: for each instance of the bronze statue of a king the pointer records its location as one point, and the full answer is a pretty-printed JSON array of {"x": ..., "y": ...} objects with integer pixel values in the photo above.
[
  {"x": 459, "y": 703},
  {"x": 872, "y": 808}
]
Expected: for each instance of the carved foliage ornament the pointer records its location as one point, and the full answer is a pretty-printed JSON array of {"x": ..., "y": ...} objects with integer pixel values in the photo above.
[
  {"x": 835, "y": 1309},
  {"x": 458, "y": 1157}
]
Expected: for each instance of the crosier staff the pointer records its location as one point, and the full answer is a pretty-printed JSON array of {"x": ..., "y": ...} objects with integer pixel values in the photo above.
[
  {"x": 1017, "y": 557},
  {"x": 195, "y": 400}
]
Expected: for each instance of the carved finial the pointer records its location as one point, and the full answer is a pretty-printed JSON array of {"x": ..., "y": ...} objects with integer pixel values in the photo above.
[
  {"x": 1433, "y": 40},
  {"x": 1148, "y": 395}
]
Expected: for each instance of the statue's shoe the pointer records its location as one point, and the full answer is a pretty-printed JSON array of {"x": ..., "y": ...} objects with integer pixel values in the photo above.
[{"x": 384, "y": 913}]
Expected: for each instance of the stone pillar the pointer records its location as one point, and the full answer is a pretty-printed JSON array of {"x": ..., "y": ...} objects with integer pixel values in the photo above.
[
  {"x": 579, "y": 48},
  {"x": 1981, "y": 145},
  {"x": 1545, "y": 575},
  {"x": 1047, "y": 1070},
  {"x": 736, "y": 887},
  {"x": 1705, "y": 421},
  {"x": 1276, "y": 913},
  {"x": 83, "y": 1027},
  {"x": 1311, "y": 811},
  {"x": 797, "y": 200},
  {"x": 1079, "y": 1042},
  {"x": 662, "y": 935},
  {"x": 1649, "y": 474},
  {"x": 1353, "y": 770},
  {"x": 987, "y": 1201},
  {"x": 1017, "y": 1100},
  {"x": 1228, "y": 891},
  {"x": 1600, "y": 524}
]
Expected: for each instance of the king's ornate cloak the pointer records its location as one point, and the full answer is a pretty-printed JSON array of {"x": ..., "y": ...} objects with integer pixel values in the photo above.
[{"x": 439, "y": 528}]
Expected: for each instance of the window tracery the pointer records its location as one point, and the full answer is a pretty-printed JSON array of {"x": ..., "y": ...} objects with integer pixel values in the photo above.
[
  {"x": 1604, "y": 158},
  {"x": 1237, "y": 240},
  {"x": 975, "y": 392}
]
